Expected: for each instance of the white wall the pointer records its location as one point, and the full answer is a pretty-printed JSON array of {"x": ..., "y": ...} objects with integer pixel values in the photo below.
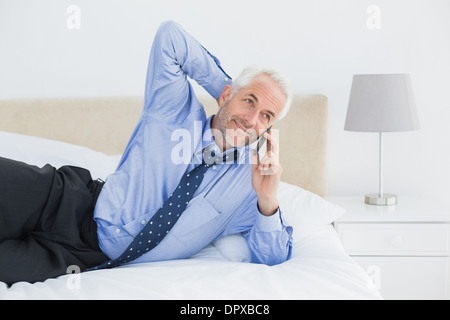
[{"x": 318, "y": 44}]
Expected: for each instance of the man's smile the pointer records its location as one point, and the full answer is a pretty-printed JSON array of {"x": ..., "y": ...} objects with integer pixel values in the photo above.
[{"x": 241, "y": 127}]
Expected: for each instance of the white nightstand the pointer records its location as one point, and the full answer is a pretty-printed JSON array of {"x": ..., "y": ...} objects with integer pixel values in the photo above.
[{"x": 405, "y": 248}]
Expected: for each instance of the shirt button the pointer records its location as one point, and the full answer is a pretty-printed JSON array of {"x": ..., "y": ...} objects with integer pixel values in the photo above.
[
  {"x": 143, "y": 222},
  {"x": 214, "y": 167},
  {"x": 226, "y": 79},
  {"x": 117, "y": 230}
]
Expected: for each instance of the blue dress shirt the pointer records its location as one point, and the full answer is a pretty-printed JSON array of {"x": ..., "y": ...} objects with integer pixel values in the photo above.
[{"x": 167, "y": 141}]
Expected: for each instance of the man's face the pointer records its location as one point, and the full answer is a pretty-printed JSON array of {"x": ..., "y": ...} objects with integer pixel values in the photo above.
[{"x": 249, "y": 112}]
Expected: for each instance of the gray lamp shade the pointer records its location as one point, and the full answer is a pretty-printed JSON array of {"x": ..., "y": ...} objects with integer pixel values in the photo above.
[{"x": 382, "y": 103}]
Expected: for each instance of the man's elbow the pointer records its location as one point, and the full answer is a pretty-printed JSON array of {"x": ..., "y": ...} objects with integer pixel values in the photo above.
[
  {"x": 271, "y": 259},
  {"x": 169, "y": 26}
]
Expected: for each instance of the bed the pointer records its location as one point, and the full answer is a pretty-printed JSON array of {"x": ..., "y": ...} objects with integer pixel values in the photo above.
[{"x": 93, "y": 132}]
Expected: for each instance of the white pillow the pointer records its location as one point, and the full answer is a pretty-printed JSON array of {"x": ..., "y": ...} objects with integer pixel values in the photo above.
[
  {"x": 305, "y": 211},
  {"x": 40, "y": 151},
  {"x": 234, "y": 248}
]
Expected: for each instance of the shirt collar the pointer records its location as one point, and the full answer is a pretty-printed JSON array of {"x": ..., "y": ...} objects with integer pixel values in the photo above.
[{"x": 208, "y": 142}]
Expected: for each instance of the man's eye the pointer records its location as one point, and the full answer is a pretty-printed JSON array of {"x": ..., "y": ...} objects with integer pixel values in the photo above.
[
  {"x": 249, "y": 101},
  {"x": 267, "y": 116}
]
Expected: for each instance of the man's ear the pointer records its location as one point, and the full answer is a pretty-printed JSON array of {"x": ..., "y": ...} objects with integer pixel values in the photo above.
[{"x": 224, "y": 96}]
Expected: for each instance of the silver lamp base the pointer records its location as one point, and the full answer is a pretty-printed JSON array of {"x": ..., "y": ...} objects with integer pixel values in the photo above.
[{"x": 385, "y": 200}]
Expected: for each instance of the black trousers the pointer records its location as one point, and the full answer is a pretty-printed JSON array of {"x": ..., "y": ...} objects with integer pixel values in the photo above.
[{"x": 46, "y": 221}]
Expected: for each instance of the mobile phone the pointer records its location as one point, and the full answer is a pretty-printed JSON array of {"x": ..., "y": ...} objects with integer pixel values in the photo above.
[{"x": 262, "y": 140}]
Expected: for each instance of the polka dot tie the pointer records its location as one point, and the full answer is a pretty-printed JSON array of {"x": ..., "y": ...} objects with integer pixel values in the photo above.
[{"x": 166, "y": 217}]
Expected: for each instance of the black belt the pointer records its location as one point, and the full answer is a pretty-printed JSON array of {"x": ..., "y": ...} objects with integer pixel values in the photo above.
[
  {"x": 96, "y": 188},
  {"x": 89, "y": 226}
]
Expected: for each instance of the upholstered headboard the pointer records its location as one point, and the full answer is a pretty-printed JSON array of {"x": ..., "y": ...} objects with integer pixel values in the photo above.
[{"x": 105, "y": 124}]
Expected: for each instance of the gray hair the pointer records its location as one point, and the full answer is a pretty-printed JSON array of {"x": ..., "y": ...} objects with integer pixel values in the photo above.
[{"x": 247, "y": 75}]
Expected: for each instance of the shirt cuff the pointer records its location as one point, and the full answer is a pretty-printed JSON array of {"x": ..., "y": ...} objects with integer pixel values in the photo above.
[
  {"x": 269, "y": 223},
  {"x": 216, "y": 87}
]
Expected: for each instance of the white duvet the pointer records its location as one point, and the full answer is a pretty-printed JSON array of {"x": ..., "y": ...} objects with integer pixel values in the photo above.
[{"x": 319, "y": 267}]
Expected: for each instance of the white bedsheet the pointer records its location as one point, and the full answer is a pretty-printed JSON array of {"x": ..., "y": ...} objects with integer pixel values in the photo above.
[{"x": 319, "y": 267}]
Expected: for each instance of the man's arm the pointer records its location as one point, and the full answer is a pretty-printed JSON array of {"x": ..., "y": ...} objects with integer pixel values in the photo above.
[
  {"x": 270, "y": 241},
  {"x": 266, "y": 176},
  {"x": 175, "y": 55},
  {"x": 268, "y": 238}
]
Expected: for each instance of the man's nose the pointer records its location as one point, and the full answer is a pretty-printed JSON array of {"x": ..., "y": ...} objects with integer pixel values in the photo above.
[{"x": 252, "y": 118}]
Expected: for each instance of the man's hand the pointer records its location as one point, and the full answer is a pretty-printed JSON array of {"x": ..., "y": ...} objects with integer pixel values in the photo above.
[{"x": 266, "y": 176}]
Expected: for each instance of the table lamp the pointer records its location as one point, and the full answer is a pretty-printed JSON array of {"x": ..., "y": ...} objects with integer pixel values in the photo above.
[{"x": 381, "y": 103}]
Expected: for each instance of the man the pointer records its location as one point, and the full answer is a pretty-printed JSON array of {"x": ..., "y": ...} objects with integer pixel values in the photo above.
[{"x": 51, "y": 219}]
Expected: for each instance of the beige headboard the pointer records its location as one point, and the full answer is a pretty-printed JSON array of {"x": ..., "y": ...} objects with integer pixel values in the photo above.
[{"x": 105, "y": 124}]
